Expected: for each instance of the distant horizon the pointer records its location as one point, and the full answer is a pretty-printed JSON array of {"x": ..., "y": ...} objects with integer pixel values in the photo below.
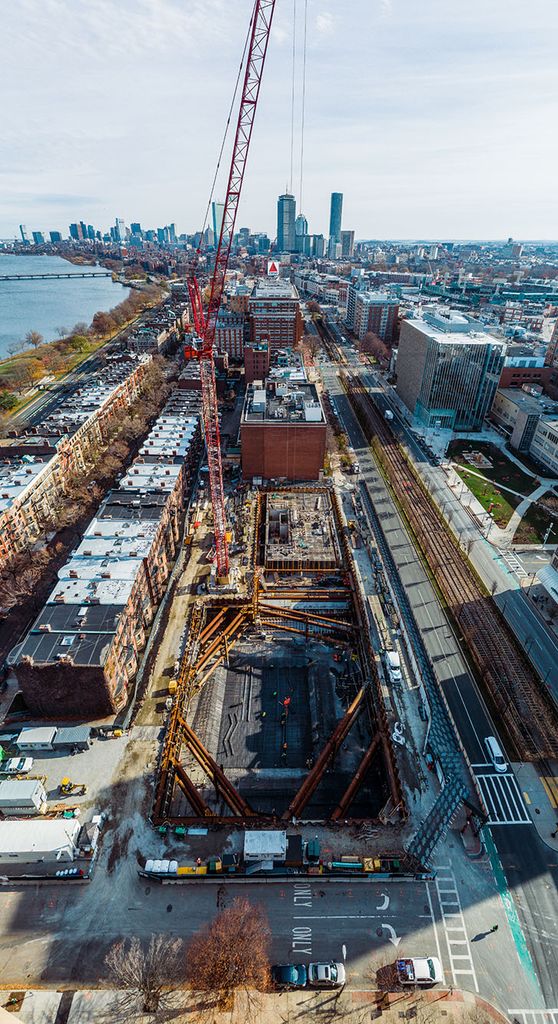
[{"x": 433, "y": 121}]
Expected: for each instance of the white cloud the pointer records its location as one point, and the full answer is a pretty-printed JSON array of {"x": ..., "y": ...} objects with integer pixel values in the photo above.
[
  {"x": 433, "y": 120},
  {"x": 325, "y": 23}
]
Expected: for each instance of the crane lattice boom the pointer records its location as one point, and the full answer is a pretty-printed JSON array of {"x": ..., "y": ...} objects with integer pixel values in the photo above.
[{"x": 205, "y": 325}]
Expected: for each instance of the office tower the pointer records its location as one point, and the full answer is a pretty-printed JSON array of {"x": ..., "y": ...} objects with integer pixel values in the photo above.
[
  {"x": 335, "y": 213},
  {"x": 262, "y": 242},
  {"x": 318, "y": 246},
  {"x": 24, "y": 234},
  {"x": 347, "y": 243},
  {"x": 302, "y": 238},
  {"x": 136, "y": 229},
  {"x": 55, "y": 236},
  {"x": 208, "y": 238},
  {"x": 448, "y": 369},
  {"x": 76, "y": 232},
  {"x": 120, "y": 229},
  {"x": 161, "y": 235},
  {"x": 38, "y": 238},
  {"x": 172, "y": 234},
  {"x": 217, "y": 211},
  {"x": 91, "y": 232},
  {"x": 286, "y": 214},
  {"x": 83, "y": 228}
]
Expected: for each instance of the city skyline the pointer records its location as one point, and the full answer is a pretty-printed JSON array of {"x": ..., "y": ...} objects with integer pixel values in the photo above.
[{"x": 431, "y": 128}]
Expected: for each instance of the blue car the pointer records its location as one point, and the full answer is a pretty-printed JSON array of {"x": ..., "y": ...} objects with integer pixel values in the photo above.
[{"x": 289, "y": 975}]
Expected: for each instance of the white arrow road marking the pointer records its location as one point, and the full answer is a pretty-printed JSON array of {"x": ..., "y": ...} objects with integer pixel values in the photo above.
[
  {"x": 385, "y": 904},
  {"x": 393, "y": 937}
]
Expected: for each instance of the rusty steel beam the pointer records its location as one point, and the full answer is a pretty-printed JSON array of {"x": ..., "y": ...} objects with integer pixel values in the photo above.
[
  {"x": 315, "y": 775},
  {"x": 356, "y": 781},
  {"x": 187, "y": 786},
  {"x": 308, "y": 632},
  {"x": 301, "y": 616},
  {"x": 222, "y": 784}
]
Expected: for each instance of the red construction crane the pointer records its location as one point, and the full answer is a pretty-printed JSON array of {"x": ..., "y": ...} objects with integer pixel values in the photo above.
[{"x": 205, "y": 323}]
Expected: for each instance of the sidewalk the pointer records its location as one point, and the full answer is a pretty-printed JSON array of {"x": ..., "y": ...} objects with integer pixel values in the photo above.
[
  {"x": 100, "y": 1006},
  {"x": 541, "y": 797}
]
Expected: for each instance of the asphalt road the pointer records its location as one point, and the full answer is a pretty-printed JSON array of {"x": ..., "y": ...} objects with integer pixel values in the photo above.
[
  {"x": 514, "y": 834},
  {"x": 60, "y": 934},
  {"x": 539, "y": 643}
]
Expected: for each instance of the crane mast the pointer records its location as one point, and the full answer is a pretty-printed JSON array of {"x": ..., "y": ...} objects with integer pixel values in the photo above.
[{"x": 205, "y": 323}]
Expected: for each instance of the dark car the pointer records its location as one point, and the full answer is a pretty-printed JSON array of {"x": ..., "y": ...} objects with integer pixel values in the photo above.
[{"x": 289, "y": 975}]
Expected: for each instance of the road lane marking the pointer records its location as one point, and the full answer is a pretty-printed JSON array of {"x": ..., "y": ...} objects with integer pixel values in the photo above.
[
  {"x": 503, "y": 799},
  {"x": 438, "y": 950},
  {"x": 450, "y": 921},
  {"x": 550, "y": 784}
]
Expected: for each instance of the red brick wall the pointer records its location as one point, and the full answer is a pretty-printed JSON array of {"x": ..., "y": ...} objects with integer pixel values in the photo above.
[
  {"x": 295, "y": 451},
  {"x": 515, "y": 376}
]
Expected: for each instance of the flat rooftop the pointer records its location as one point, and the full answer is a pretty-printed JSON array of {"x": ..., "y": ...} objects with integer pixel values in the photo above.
[
  {"x": 283, "y": 402},
  {"x": 274, "y": 289},
  {"x": 540, "y": 404}
]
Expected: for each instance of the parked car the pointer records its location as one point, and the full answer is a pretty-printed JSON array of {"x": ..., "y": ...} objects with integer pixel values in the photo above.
[
  {"x": 287, "y": 976},
  {"x": 330, "y": 975},
  {"x": 17, "y": 765},
  {"x": 419, "y": 970}
]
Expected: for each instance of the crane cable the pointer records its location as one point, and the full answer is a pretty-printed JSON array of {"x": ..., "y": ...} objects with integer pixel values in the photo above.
[
  {"x": 303, "y": 101},
  {"x": 293, "y": 92},
  {"x": 227, "y": 126}
]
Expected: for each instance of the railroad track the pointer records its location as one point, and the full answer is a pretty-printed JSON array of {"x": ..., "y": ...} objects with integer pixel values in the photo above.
[{"x": 525, "y": 711}]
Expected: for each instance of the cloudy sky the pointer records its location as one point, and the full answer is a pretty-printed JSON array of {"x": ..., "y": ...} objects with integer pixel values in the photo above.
[{"x": 435, "y": 118}]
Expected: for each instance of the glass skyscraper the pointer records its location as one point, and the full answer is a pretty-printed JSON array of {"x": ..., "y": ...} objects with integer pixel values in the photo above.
[
  {"x": 286, "y": 215},
  {"x": 336, "y": 211}
]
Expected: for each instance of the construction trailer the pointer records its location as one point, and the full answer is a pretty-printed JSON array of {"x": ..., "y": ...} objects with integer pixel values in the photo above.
[
  {"x": 22, "y": 798},
  {"x": 34, "y": 842}
]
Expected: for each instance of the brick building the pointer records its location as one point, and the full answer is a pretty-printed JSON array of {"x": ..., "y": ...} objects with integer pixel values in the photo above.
[
  {"x": 375, "y": 313},
  {"x": 256, "y": 361},
  {"x": 283, "y": 432},
  {"x": 274, "y": 312},
  {"x": 230, "y": 331},
  {"x": 84, "y": 648},
  {"x": 36, "y": 466}
]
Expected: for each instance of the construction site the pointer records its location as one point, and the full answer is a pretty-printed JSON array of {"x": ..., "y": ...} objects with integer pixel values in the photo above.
[{"x": 278, "y": 711}]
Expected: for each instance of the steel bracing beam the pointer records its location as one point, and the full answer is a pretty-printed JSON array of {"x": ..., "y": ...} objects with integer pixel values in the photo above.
[
  {"x": 315, "y": 775},
  {"x": 356, "y": 781},
  {"x": 222, "y": 784}
]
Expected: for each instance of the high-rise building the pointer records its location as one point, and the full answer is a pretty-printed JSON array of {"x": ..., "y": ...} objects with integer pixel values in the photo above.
[
  {"x": 375, "y": 313},
  {"x": 76, "y": 232},
  {"x": 120, "y": 228},
  {"x": 217, "y": 211},
  {"x": 83, "y": 227},
  {"x": 172, "y": 234},
  {"x": 335, "y": 213},
  {"x": 274, "y": 309},
  {"x": 448, "y": 369},
  {"x": 286, "y": 214},
  {"x": 24, "y": 234},
  {"x": 347, "y": 243},
  {"x": 318, "y": 246},
  {"x": 55, "y": 236},
  {"x": 136, "y": 229},
  {"x": 38, "y": 238},
  {"x": 91, "y": 232}
]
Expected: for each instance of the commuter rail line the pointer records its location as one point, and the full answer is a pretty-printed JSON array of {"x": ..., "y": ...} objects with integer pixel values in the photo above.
[{"x": 526, "y": 712}]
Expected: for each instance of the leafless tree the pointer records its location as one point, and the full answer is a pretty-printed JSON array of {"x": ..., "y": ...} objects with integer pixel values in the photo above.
[
  {"x": 231, "y": 954},
  {"x": 34, "y": 339},
  {"x": 15, "y": 346},
  {"x": 62, "y": 331},
  {"x": 145, "y": 975}
]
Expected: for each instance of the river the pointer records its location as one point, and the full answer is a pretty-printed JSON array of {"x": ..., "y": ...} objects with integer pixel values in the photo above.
[{"x": 45, "y": 305}]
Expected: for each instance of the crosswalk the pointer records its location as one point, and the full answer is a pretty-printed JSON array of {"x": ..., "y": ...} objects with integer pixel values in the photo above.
[
  {"x": 533, "y": 1016},
  {"x": 503, "y": 799},
  {"x": 514, "y": 563},
  {"x": 459, "y": 949}
]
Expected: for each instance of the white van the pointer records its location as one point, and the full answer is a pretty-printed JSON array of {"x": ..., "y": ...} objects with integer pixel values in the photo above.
[
  {"x": 495, "y": 754},
  {"x": 393, "y": 665}
]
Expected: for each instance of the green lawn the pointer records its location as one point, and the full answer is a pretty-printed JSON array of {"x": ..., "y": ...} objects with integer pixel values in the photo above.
[
  {"x": 533, "y": 527},
  {"x": 502, "y": 472},
  {"x": 500, "y": 503}
]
